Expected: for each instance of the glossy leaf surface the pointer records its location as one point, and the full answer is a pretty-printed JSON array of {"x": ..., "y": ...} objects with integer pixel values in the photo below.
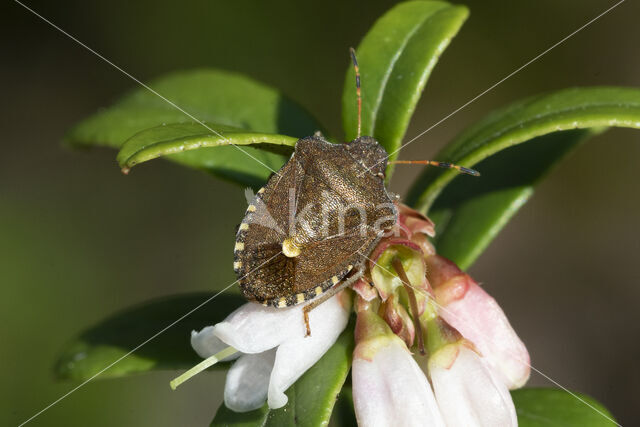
[
  {"x": 535, "y": 407},
  {"x": 211, "y": 96},
  {"x": 523, "y": 121},
  {"x": 471, "y": 211},
  {"x": 344, "y": 414},
  {"x": 396, "y": 58},
  {"x": 173, "y": 139},
  {"x": 545, "y": 407},
  {"x": 116, "y": 336}
]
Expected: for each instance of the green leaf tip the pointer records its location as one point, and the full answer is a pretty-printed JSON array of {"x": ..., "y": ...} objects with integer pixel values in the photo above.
[
  {"x": 576, "y": 108},
  {"x": 470, "y": 213},
  {"x": 176, "y": 138},
  {"x": 211, "y": 96},
  {"x": 548, "y": 407},
  {"x": 396, "y": 58},
  {"x": 120, "y": 334}
]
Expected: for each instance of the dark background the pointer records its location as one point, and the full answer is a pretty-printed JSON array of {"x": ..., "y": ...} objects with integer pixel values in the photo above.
[{"x": 78, "y": 240}]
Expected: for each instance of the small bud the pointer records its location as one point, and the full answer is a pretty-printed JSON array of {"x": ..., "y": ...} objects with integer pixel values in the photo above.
[
  {"x": 364, "y": 289},
  {"x": 424, "y": 243},
  {"x": 415, "y": 221},
  {"x": 439, "y": 334},
  {"x": 371, "y": 331},
  {"x": 398, "y": 320},
  {"x": 383, "y": 273},
  {"x": 441, "y": 270}
]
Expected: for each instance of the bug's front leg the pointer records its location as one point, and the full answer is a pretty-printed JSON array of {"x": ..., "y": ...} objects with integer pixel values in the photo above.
[{"x": 328, "y": 294}]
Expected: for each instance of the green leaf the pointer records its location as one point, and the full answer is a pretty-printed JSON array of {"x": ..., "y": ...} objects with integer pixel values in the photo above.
[
  {"x": 470, "y": 213},
  {"x": 577, "y": 108},
  {"x": 311, "y": 398},
  {"x": 171, "y": 139},
  {"x": 211, "y": 96},
  {"x": 472, "y": 210},
  {"x": 111, "y": 339},
  {"x": 396, "y": 58},
  {"x": 344, "y": 414},
  {"x": 542, "y": 407}
]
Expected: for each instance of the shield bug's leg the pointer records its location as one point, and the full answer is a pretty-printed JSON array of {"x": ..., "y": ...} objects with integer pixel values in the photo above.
[
  {"x": 438, "y": 164},
  {"x": 358, "y": 90},
  {"x": 328, "y": 294}
]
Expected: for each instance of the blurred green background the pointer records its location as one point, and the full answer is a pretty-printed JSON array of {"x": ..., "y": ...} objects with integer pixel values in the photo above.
[{"x": 79, "y": 241}]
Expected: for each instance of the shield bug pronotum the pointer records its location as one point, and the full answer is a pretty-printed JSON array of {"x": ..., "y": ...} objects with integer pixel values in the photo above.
[{"x": 306, "y": 233}]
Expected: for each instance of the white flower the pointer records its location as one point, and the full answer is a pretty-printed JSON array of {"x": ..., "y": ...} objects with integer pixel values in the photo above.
[
  {"x": 275, "y": 351},
  {"x": 474, "y": 355},
  {"x": 389, "y": 388},
  {"x": 467, "y": 390}
]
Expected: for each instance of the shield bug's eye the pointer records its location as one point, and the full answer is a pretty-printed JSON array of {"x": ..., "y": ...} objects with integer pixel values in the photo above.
[{"x": 369, "y": 154}]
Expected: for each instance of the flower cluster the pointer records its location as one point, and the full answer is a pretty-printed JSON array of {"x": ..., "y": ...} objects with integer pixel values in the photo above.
[{"x": 432, "y": 347}]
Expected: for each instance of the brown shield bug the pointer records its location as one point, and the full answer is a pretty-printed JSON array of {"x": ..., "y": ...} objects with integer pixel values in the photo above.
[{"x": 307, "y": 232}]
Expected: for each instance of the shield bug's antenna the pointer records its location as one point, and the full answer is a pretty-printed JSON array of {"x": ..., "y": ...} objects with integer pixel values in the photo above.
[
  {"x": 445, "y": 165},
  {"x": 358, "y": 91}
]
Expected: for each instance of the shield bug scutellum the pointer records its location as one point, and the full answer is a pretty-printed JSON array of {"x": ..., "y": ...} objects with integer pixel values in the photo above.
[{"x": 307, "y": 232}]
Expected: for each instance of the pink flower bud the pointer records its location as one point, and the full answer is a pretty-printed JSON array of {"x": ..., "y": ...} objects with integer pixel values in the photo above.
[
  {"x": 364, "y": 289},
  {"x": 415, "y": 221},
  {"x": 424, "y": 243},
  {"x": 479, "y": 318}
]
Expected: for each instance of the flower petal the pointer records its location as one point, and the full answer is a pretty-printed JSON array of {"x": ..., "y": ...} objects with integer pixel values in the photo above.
[
  {"x": 365, "y": 290},
  {"x": 298, "y": 353},
  {"x": 388, "y": 386},
  {"x": 206, "y": 344},
  {"x": 248, "y": 381},
  {"x": 425, "y": 244},
  {"x": 415, "y": 221},
  {"x": 479, "y": 318},
  {"x": 390, "y": 389},
  {"x": 469, "y": 393},
  {"x": 254, "y": 328}
]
